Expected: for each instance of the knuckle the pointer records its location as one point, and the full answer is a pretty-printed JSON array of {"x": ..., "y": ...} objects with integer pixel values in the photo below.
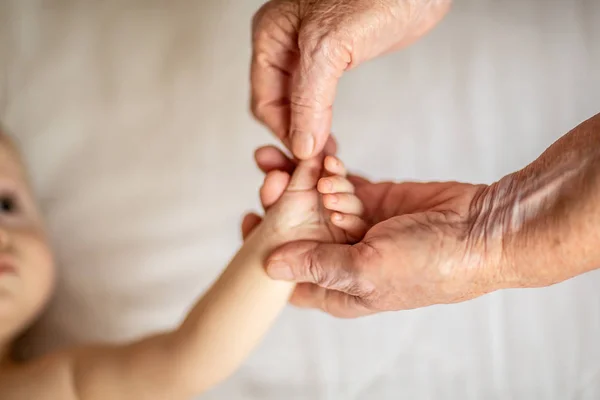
[
  {"x": 262, "y": 35},
  {"x": 370, "y": 301},
  {"x": 363, "y": 253},
  {"x": 273, "y": 16},
  {"x": 325, "y": 46},
  {"x": 263, "y": 16},
  {"x": 314, "y": 269},
  {"x": 330, "y": 47},
  {"x": 301, "y": 104},
  {"x": 361, "y": 287},
  {"x": 257, "y": 109},
  {"x": 363, "y": 259}
]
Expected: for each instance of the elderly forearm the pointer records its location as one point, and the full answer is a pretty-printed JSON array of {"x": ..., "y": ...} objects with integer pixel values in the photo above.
[{"x": 545, "y": 217}]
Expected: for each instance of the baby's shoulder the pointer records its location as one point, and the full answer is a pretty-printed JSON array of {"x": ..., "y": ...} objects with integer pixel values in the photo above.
[{"x": 44, "y": 378}]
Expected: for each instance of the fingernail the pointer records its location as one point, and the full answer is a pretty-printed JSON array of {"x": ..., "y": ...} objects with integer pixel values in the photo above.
[
  {"x": 304, "y": 144},
  {"x": 280, "y": 270}
]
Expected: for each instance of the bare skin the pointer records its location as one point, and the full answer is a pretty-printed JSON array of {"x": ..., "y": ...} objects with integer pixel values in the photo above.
[
  {"x": 447, "y": 242},
  {"x": 301, "y": 48},
  {"x": 216, "y": 336},
  {"x": 427, "y": 243}
]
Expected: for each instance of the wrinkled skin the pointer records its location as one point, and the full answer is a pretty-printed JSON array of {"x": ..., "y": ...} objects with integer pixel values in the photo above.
[
  {"x": 446, "y": 242},
  {"x": 420, "y": 256},
  {"x": 415, "y": 252},
  {"x": 301, "y": 204},
  {"x": 301, "y": 48},
  {"x": 421, "y": 253},
  {"x": 428, "y": 243},
  {"x": 424, "y": 247}
]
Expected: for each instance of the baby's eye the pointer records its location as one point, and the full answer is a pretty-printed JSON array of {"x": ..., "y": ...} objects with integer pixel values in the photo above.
[{"x": 8, "y": 204}]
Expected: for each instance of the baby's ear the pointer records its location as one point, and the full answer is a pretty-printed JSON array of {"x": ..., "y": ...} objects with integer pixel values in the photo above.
[{"x": 307, "y": 174}]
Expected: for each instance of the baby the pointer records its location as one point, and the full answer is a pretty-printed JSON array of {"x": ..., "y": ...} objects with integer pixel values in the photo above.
[{"x": 216, "y": 336}]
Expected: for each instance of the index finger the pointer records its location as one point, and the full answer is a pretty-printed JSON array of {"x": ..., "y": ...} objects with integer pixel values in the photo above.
[
  {"x": 322, "y": 62},
  {"x": 269, "y": 97},
  {"x": 274, "y": 57}
]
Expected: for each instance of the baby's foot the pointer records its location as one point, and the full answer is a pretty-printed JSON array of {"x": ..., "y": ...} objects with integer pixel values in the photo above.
[
  {"x": 339, "y": 198},
  {"x": 296, "y": 208},
  {"x": 271, "y": 161}
]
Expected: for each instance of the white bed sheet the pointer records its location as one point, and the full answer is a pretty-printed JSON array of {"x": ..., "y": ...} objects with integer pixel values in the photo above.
[{"x": 133, "y": 117}]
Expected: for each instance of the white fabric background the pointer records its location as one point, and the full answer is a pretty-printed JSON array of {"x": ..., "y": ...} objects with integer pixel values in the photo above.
[{"x": 133, "y": 117}]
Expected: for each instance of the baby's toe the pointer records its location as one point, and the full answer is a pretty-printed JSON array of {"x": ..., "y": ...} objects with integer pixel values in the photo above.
[
  {"x": 345, "y": 203},
  {"x": 334, "y": 166},
  {"x": 335, "y": 184},
  {"x": 354, "y": 226}
]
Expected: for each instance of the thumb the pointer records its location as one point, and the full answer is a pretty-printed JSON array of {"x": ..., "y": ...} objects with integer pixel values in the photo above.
[
  {"x": 314, "y": 83},
  {"x": 332, "y": 266}
]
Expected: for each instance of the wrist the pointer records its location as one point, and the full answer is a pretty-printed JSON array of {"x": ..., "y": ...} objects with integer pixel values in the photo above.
[
  {"x": 536, "y": 225},
  {"x": 490, "y": 238},
  {"x": 492, "y": 265},
  {"x": 541, "y": 221}
]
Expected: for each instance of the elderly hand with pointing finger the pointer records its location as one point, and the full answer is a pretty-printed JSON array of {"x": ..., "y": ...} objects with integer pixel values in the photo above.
[
  {"x": 425, "y": 243},
  {"x": 301, "y": 48}
]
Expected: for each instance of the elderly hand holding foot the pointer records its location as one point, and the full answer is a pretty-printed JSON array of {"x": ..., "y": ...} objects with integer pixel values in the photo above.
[{"x": 426, "y": 243}]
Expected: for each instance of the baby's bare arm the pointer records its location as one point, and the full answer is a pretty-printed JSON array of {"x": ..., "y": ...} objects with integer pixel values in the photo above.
[{"x": 218, "y": 334}]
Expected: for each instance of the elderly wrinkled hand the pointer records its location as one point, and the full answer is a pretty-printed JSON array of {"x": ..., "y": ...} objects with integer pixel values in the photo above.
[
  {"x": 427, "y": 244},
  {"x": 447, "y": 242},
  {"x": 301, "y": 48}
]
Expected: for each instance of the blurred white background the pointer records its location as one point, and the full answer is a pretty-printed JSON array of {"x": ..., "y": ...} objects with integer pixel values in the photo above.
[{"x": 133, "y": 116}]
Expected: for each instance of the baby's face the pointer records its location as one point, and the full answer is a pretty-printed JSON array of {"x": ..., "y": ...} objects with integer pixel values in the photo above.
[{"x": 26, "y": 262}]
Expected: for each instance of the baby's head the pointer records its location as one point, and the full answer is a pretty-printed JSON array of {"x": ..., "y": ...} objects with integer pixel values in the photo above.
[{"x": 26, "y": 261}]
